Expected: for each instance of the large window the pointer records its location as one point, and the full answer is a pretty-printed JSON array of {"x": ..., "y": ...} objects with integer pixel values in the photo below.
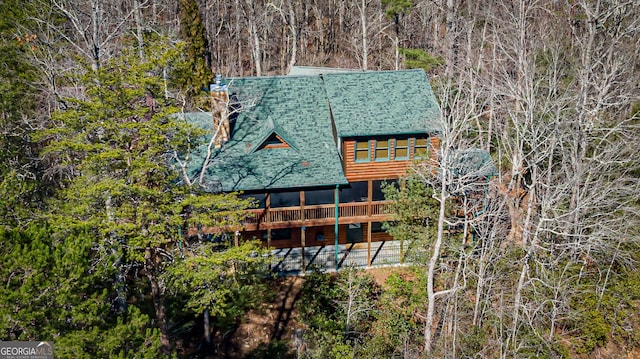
[
  {"x": 285, "y": 199},
  {"x": 355, "y": 192},
  {"x": 382, "y": 150},
  {"x": 323, "y": 196},
  {"x": 362, "y": 151},
  {"x": 401, "y": 149},
  {"x": 421, "y": 148},
  {"x": 376, "y": 190}
]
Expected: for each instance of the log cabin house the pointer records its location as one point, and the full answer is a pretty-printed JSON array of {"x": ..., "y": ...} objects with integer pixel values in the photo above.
[{"x": 314, "y": 149}]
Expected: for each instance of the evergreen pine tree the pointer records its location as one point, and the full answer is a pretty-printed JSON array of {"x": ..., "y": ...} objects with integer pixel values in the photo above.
[
  {"x": 18, "y": 106},
  {"x": 115, "y": 148},
  {"x": 196, "y": 73}
]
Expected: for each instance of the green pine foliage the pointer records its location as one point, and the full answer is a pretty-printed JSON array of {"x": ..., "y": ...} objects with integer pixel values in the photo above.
[
  {"x": 420, "y": 59},
  {"x": 397, "y": 329},
  {"x": 18, "y": 106},
  {"x": 339, "y": 313},
  {"x": 416, "y": 214},
  {"x": 225, "y": 280},
  {"x": 112, "y": 151},
  {"x": 395, "y": 9},
  {"x": 195, "y": 75},
  {"x": 53, "y": 290}
]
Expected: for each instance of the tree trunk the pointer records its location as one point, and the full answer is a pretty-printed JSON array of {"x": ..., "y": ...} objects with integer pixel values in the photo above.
[
  {"x": 431, "y": 300},
  {"x": 254, "y": 38},
  {"x": 365, "y": 46},
  {"x": 293, "y": 27},
  {"x": 139, "y": 28},
  {"x": 207, "y": 327},
  {"x": 157, "y": 295}
]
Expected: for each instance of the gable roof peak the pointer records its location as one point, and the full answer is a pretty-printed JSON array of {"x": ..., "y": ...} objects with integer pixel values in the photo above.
[{"x": 270, "y": 132}]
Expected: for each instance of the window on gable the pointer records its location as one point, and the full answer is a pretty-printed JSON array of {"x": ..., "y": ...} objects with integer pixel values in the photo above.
[
  {"x": 382, "y": 150},
  {"x": 274, "y": 141},
  {"x": 421, "y": 147},
  {"x": 401, "y": 149},
  {"x": 362, "y": 151}
]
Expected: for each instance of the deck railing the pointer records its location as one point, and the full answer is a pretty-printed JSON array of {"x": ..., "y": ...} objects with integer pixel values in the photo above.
[{"x": 318, "y": 212}]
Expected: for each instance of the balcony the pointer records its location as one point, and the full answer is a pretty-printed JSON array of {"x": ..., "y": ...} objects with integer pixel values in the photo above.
[{"x": 317, "y": 215}]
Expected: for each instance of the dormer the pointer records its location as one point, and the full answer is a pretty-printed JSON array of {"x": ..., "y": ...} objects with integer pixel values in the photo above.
[{"x": 273, "y": 136}]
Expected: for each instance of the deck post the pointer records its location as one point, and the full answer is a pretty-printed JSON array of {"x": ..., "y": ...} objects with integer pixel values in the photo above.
[
  {"x": 369, "y": 244},
  {"x": 369, "y": 213},
  {"x": 303, "y": 232},
  {"x": 267, "y": 206},
  {"x": 335, "y": 228}
]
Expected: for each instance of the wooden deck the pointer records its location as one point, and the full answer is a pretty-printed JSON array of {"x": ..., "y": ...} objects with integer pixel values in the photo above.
[{"x": 317, "y": 215}]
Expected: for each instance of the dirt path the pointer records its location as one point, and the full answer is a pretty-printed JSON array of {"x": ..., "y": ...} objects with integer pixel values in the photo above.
[{"x": 272, "y": 323}]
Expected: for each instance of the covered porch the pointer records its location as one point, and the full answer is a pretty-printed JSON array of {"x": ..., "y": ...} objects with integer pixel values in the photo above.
[{"x": 317, "y": 215}]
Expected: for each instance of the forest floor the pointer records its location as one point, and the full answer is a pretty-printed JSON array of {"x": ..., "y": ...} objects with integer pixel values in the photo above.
[{"x": 269, "y": 332}]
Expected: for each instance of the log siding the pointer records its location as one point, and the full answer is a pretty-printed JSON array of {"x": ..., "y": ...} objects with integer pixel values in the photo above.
[{"x": 380, "y": 169}]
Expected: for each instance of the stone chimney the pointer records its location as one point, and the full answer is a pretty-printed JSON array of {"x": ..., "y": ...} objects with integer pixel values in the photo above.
[{"x": 220, "y": 111}]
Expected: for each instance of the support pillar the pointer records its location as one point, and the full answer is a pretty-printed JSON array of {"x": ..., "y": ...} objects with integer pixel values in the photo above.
[
  {"x": 369, "y": 213},
  {"x": 267, "y": 206},
  {"x": 369, "y": 244},
  {"x": 336, "y": 198},
  {"x": 303, "y": 235}
]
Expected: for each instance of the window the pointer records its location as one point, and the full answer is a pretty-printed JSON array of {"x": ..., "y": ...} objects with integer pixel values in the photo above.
[
  {"x": 382, "y": 150},
  {"x": 321, "y": 196},
  {"x": 362, "y": 151},
  {"x": 377, "y": 193},
  {"x": 355, "y": 192},
  {"x": 277, "y": 234},
  {"x": 274, "y": 141},
  {"x": 421, "y": 148},
  {"x": 402, "y": 149},
  {"x": 376, "y": 227},
  {"x": 285, "y": 199}
]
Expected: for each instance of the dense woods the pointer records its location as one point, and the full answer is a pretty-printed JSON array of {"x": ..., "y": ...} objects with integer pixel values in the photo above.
[{"x": 94, "y": 254}]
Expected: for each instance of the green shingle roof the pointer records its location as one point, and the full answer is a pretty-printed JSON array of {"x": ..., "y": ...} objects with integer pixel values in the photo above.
[
  {"x": 300, "y": 110},
  {"x": 296, "y": 109},
  {"x": 314, "y": 70},
  {"x": 269, "y": 129},
  {"x": 382, "y": 103}
]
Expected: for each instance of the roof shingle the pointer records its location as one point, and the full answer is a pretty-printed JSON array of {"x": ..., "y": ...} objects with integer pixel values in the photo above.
[{"x": 299, "y": 109}]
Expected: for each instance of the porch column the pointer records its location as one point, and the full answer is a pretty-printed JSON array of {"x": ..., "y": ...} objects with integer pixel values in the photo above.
[
  {"x": 303, "y": 230},
  {"x": 302, "y": 214},
  {"x": 303, "y": 235},
  {"x": 267, "y": 206},
  {"x": 369, "y": 213},
  {"x": 369, "y": 244},
  {"x": 336, "y": 198}
]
